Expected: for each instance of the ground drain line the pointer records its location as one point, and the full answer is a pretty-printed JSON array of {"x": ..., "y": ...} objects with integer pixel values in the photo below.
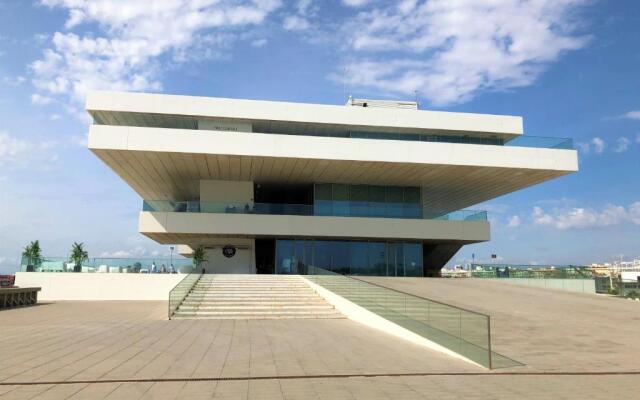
[{"x": 335, "y": 376}]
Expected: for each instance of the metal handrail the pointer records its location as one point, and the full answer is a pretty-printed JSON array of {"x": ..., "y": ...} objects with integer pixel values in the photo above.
[{"x": 185, "y": 285}]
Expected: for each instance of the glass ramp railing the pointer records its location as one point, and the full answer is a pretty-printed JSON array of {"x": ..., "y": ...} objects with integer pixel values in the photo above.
[{"x": 462, "y": 331}]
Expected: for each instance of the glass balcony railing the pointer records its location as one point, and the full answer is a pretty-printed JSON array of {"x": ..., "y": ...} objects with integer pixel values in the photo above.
[
  {"x": 464, "y": 215},
  {"x": 338, "y": 209},
  {"x": 520, "y": 141},
  {"x": 462, "y": 331},
  {"x": 109, "y": 265},
  {"x": 541, "y": 142}
]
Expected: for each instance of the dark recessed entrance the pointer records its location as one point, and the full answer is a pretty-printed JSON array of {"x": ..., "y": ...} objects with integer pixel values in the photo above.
[{"x": 265, "y": 256}]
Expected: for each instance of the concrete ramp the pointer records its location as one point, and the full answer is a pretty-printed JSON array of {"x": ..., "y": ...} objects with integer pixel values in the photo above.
[{"x": 239, "y": 296}]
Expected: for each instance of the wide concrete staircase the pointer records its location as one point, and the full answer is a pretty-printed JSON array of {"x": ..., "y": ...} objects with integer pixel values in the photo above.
[{"x": 253, "y": 297}]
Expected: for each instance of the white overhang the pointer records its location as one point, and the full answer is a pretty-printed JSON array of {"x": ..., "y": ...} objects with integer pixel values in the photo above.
[
  {"x": 134, "y": 108},
  {"x": 168, "y": 163},
  {"x": 192, "y": 228}
]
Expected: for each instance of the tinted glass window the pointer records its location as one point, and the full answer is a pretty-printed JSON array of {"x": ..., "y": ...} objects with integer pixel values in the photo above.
[{"x": 349, "y": 257}]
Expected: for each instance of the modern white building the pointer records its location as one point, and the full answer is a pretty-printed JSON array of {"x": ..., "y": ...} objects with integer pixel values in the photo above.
[{"x": 370, "y": 187}]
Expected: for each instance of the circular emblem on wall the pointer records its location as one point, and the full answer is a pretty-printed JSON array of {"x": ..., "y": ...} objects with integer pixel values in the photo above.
[{"x": 229, "y": 251}]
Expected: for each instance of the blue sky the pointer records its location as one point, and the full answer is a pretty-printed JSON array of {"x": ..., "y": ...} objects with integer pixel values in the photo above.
[{"x": 569, "y": 67}]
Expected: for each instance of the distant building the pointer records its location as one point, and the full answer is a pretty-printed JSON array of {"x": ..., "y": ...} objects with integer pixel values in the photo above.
[
  {"x": 372, "y": 187},
  {"x": 616, "y": 267}
]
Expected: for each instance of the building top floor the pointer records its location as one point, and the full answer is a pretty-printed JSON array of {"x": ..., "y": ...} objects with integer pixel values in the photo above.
[{"x": 360, "y": 118}]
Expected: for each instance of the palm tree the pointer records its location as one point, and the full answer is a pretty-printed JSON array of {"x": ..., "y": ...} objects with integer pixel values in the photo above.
[
  {"x": 78, "y": 255},
  {"x": 199, "y": 256},
  {"x": 33, "y": 255}
]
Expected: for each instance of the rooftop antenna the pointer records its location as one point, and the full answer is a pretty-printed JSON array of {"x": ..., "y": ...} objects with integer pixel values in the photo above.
[{"x": 415, "y": 93}]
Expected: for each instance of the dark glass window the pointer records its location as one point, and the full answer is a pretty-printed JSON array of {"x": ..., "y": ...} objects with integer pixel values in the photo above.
[
  {"x": 284, "y": 257},
  {"x": 323, "y": 191},
  {"x": 412, "y": 195},
  {"x": 367, "y": 201},
  {"x": 340, "y": 257},
  {"x": 359, "y": 200},
  {"x": 322, "y": 254},
  {"x": 394, "y": 194},
  {"x": 299, "y": 257},
  {"x": 340, "y": 197},
  {"x": 377, "y": 252},
  {"x": 359, "y": 258},
  {"x": 412, "y": 259},
  {"x": 349, "y": 257},
  {"x": 395, "y": 259}
]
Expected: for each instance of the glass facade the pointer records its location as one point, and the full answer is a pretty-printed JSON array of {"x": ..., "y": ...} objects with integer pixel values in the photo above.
[
  {"x": 367, "y": 201},
  {"x": 293, "y": 256}
]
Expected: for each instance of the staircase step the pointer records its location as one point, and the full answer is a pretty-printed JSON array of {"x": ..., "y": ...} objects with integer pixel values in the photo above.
[
  {"x": 306, "y": 308},
  {"x": 254, "y": 303},
  {"x": 241, "y": 314},
  {"x": 253, "y": 297},
  {"x": 249, "y": 290},
  {"x": 257, "y": 316}
]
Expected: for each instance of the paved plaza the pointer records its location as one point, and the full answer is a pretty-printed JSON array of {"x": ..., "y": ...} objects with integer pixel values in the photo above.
[
  {"x": 129, "y": 350},
  {"x": 547, "y": 330}
]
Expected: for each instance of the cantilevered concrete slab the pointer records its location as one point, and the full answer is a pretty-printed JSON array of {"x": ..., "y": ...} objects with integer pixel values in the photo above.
[
  {"x": 142, "y": 109},
  {"x": 161, "y": 163},
  {"x": 173, "y": 227}
]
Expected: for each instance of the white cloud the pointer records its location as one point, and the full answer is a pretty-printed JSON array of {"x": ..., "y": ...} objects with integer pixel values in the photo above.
[
  {"x": 41, "y": 38},
  {"x": 299, "y": 20},
  {"x": 451, "y": 50},
  {"x": 259, "y": 42},
  {"x": 54, "y": 117},
  {"x": 14, "y": 81},
  {"x": 634, "y": 212},
  {"x": 32, "y": 153},
  {"x": 622, "y": 145},
  {"x": 304, "y": 6},
  {"x": 578, "y": 217},
  {"x": 540, "y": 217},
  {"x": 136, "y": 252},
  {"x": 514, "y": 222},
  {"x": 295, "y": 23},
  {"x": 355, "y": 3},
  {"x": 40, "y": 100},
  {"x": 598, "y": 145},
  {"x": 584, "y": 147},
  {"x": 632, "y": 114},
  {"x": 11, "y": 149},
  {"x": 79, "y": 140},
  {"x": 135, "y": 41}
]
